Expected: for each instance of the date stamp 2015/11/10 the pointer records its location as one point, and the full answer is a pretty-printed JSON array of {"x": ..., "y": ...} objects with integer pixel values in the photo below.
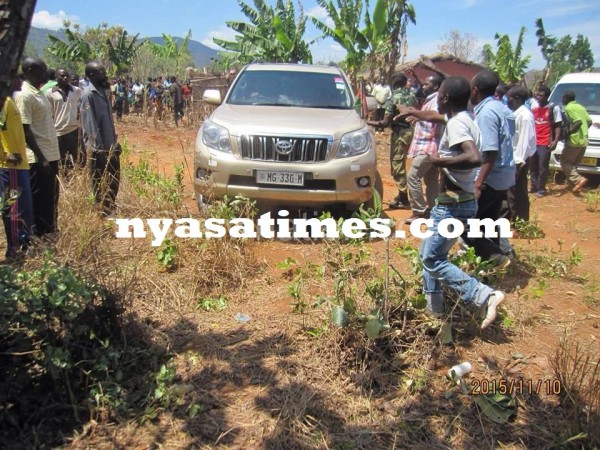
[{"x": 520, "y": 386}]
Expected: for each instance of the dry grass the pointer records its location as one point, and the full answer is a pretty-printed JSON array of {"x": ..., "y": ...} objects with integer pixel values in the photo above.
[
  {"x": 577, "y": 367},
  {"x": 271, "y": 384}
]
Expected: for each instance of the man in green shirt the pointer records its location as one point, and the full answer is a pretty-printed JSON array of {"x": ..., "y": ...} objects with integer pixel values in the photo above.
[
  {"x": 401, "y": 138},
  {"x": 575, "y": 142}
]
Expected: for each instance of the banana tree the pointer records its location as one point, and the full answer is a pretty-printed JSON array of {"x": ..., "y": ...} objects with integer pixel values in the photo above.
[
  {"x": 273, "y": 35},
  {"x": 123, "y": 52},
  {"x": 508, "y": 62},
  {"x": 346, "y": 18},
  {"x": 546, "y": 44},
  {"x": 170, "y": 49},
  {"x": 385, "y": 32}
]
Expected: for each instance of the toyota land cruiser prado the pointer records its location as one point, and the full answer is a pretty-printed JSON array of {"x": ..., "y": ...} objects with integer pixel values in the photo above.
[{"x": 286, "y": 135}]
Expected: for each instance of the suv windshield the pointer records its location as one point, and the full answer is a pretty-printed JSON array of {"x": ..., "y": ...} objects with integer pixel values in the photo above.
[
  {"x": 288, "y": 88},
  {"x": 588, "y": 94}
]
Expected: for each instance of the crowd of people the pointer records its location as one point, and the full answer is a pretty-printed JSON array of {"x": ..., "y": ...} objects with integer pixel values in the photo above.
[
  {"x": 54, "y": 121},
  {"x": 473, "y": 146}
]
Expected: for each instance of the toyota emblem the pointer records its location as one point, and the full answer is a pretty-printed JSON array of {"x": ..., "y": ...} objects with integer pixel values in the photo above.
[{"x": 284, "y": 147}]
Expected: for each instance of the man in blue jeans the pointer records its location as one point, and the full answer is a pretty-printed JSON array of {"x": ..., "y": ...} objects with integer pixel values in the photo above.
[{"x": 458, "y": 158}]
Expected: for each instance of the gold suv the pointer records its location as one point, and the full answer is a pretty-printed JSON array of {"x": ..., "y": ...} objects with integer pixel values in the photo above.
[{"x": 286, "y": 135}]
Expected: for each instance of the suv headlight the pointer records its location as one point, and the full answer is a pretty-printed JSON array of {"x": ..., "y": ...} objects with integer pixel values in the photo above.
[
  {"x": 354, "y": 143},
  {"x": 216, "y": 137}
]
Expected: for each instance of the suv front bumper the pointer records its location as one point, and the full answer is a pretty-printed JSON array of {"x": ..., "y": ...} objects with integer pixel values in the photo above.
[{"x": 334, "y": 181}]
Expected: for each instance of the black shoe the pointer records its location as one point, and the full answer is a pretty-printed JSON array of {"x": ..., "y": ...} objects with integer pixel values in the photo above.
[{"x": 398, "y": 204}]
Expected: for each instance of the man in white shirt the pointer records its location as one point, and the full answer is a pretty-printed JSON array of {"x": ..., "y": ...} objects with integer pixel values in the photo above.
[
  {"x": 524, "y": 146},
  {"x": 64, "y": 101},
  {"x": 42, "y": 145}
]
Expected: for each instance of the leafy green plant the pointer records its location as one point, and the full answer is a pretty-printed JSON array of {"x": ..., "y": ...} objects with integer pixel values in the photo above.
[
  {"x": 147, "y": 183},
  {"x": 212, "y": 304},
  {"x": 592, "y": 201},
  {"x": 529, "y": 229},
  {"x": 229, "y": 208},
  {"x": 167, "y": 255}
]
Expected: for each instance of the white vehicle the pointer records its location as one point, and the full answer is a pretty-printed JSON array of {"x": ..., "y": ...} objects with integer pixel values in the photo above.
[{"x": 587, "y": 92}]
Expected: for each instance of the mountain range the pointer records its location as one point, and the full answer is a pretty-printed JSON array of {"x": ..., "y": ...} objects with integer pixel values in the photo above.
[{"x": 38, "y": 40}]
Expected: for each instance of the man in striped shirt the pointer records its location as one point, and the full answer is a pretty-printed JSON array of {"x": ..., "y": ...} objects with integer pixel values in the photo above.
[{"x": 426, "y": 139}]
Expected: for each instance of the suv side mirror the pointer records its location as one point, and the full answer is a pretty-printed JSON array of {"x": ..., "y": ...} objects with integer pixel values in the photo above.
[{"x": 212, "y": 97}]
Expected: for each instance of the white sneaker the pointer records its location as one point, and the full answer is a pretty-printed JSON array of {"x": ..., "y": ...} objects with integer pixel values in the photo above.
[{"x": 494, "y": 300}]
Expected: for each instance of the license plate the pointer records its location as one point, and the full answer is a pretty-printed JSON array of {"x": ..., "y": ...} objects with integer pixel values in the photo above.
[
  {"x": 588, "y": 161},
  {"x": 277, "y": 177}
]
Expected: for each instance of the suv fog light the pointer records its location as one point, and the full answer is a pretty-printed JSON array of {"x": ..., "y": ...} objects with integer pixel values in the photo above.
[
  {"x": 202, "y": 174},
  {"x": 364, "y": 181}
]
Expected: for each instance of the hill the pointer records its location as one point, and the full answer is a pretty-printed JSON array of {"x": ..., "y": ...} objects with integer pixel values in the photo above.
[
  {"x": 200, "y": 52},
  {"x": 38, "y": 40}
]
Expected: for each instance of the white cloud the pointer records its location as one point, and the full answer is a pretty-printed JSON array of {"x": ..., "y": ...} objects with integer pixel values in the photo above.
[
  {"x": 567, "y": 10},
  {"x": 223, "y": 32},
  {"x": 44, "y": 19},
  {"x": 317, "y": 11},
  {"x": 335, "y": 47},
  {"x": 320, "y": 13}
]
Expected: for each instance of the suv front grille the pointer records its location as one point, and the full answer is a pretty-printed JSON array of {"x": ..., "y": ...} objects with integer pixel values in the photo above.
[{"x": 285, "y": 149}]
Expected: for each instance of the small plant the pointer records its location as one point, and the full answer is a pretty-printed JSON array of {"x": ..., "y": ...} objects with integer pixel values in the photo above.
[
  {"x": 592, "y": 201},
  {"x": 167, "y": 255},
  {"x": 592, "y": 293},
  {"x": 529, "y": 229},
  {"x": 212, "y": 304},
  {"x": 229, "y": 208}
]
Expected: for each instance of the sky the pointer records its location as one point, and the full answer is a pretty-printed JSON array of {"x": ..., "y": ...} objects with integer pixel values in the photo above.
[{"x": 435, "y": 18}]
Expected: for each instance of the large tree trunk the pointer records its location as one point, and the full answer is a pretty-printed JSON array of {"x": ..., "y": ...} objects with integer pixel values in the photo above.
[{"x": 15, "y": 20}]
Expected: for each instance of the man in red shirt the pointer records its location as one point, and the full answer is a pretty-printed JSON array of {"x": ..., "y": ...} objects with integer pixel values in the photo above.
[{"x": 548, "y": 120}]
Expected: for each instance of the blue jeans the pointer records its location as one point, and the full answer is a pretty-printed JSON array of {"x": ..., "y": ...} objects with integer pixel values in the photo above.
[{"x": 438, "y": 271}]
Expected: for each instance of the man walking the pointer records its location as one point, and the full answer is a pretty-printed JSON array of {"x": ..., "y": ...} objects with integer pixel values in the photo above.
[
  {"x": 576, "y": 141},
  {"x": 177, "y": 96},
  {"x": 459, "y": 156},
  {"x": 100, "y": 138},
  {"x": 524, "y": 146},
  {"x": 497, "y": 172},
  {"x": 42, "y": 144},
  {"x": 548, "y": 122},
  {"x": 64, "y": 101},
  {"x": 400, "y": 139}
]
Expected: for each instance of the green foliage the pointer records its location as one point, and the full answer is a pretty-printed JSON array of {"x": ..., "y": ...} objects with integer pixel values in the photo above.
[
  {"x": 171, "y": 50},
  {"x": 272, "y": 35},
  {"x": 377, "y": 40},
  {"x": 167, "y": 255},
  {"x": 529, "y": 229},
  {"x": 212, "y": 304},
  {"x": 592, "y": 201},
  {"x": 562, "y": 55},
  {"x": 147, "y": 183},
  {"x": 550, "y": 264},
  {"x": 109, "y": 45},
  {"x": 56, "y": 323},
  {"x": 229, "y": 208},
  {"x": 507, "y": 62}
]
